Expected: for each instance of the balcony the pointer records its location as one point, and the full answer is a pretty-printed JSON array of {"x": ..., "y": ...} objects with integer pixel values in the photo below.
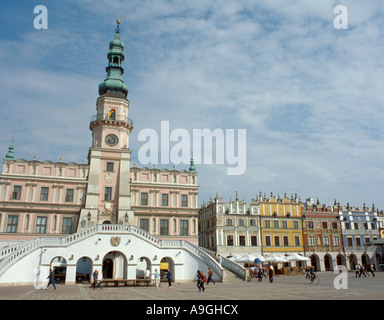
[{"x": 114, "y": 119}]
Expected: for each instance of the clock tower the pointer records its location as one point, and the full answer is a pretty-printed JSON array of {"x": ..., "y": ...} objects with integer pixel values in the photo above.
[{"x": 108, "y": 198}]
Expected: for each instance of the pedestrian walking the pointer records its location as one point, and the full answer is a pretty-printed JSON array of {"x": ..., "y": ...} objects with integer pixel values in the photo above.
[
  {"x": 95, "y": 277},
  {"x": 260, "y": 275},
  {"x": 270, "y": 274},
  {"x": 264, "y": 273},
  {"x": 372, "y": 270},
  {"x": 362, "y": 272},
  {"x": 247, "y": 275},
  {"x": 169, "y": 277},
  {"x": 203, "y": 280},
  {"x": 357, "y": 271},
  {"x": 157, "y": 278},
  {"x": 210, "y": 275},
  {"x": 198, "y": 284},
  {"x": 51, "y": 278}
]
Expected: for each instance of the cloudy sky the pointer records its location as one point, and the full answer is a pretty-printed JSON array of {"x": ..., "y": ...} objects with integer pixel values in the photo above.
[{"x": 309, "y": 96}]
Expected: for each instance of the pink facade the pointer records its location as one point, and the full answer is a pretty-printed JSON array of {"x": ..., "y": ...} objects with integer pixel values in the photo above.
[
  {"x": 39, "y": 198},
  {"x": 45, "y": 198},
  {"x": 165, "y": 202}
]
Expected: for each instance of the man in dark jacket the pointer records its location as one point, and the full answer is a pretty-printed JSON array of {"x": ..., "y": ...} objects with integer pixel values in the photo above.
[
  {"x": 169, "y": 277},
  {"x": 51, "y": 278}
]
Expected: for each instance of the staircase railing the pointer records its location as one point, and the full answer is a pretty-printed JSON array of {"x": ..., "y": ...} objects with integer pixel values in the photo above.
[{"x": 236, "y": 268}]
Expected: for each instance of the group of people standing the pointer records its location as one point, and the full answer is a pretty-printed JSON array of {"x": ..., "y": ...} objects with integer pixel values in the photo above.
[
  {"x": 259, "y": 272},
  {"x": 361, "y": 270}
]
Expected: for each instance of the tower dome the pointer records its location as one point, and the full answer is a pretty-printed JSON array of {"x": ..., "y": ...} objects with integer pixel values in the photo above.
[{"x": 114, "y": 82}]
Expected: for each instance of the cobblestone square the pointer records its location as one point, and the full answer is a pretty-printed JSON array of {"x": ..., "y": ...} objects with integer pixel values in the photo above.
[{"x": 283, "y": 288}]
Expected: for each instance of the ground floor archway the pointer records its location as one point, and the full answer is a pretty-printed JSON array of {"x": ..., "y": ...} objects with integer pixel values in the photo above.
[
  {"x": 59, "y": 267},
  {"x": 341, "y": 260},
  {"x": 143, "y": 264},
  {"x": 365, "y": 260},
  {"x": 328, "y": 262},
  {"x": 352, "y": 261},
  {"x": 115, "y": 265},
  {"x": 315, "y": 262},
  {"x": 83, "y": 269},
  {"x": 166, "y": 264}
]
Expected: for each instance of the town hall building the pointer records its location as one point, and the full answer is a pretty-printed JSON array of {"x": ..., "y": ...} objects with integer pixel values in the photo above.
[{"x": 84, "y": 216}]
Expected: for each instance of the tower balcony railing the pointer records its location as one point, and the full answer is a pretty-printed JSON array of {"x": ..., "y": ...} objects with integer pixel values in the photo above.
[{"x": 114, "y": 117}]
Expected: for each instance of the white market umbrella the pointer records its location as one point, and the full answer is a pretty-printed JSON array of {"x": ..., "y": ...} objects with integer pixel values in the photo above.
[
  {"x": 234, "y": 258},
  {"x": 296, "y": 257},
  {"x": 276, "y": 259},
  {"x": 248, "y": 258}
]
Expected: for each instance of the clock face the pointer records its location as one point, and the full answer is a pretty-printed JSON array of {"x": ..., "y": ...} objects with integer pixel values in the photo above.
[{"x": 111, "y": 140}]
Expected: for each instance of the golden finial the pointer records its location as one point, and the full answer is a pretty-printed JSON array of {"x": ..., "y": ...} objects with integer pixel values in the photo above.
[
  {"x": 118, "y": 22},
  {"x": 120, "y": 16}
]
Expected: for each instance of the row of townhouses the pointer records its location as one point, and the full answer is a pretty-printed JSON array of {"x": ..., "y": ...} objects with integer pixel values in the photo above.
[{"x": 328, "y": 235}]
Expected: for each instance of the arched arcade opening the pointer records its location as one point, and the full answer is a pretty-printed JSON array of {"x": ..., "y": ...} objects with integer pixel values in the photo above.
[
  {"x": 115, "y": 265},
  {"x": 166, "y": 264}
]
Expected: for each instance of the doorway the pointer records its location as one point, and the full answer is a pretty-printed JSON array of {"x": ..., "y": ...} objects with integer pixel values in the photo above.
[{"x": 108, "y": 268}]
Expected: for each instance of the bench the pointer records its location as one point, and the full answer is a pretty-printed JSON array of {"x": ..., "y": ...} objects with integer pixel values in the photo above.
[{"x": 127, "y": 282}]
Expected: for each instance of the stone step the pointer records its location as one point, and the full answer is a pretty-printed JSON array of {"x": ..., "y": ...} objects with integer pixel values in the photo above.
[{"x": 229, "y": 275}]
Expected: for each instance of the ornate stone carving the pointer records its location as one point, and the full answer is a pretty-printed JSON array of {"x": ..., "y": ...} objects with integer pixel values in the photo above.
[{"x": 115, "y": 241}]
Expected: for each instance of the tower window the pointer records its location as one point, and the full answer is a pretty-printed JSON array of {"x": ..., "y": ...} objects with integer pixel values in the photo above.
[
  {"x": 109, "y": 167},
  {"x": 108, "y": 194}
]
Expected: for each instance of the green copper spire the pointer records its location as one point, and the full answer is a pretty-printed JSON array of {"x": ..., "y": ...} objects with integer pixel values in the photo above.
[
  {"x": 10, "y": 155},
  {"x": 192, "y": 166},
  {"x": 114, "y": 82}
]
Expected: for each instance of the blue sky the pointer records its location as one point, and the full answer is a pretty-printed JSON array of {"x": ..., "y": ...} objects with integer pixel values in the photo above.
[{"x": 310, "y": 96}]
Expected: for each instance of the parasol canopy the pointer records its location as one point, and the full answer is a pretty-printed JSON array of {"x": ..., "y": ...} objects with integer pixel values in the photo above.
[
  {"x": 296, "y": 257},
  {"x": 273, "y": 258},
  {"x": 248, "y": 258}
]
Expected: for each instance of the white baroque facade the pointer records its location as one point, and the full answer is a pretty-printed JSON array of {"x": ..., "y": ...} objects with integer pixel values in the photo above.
[{"x": 230, "y": 228}]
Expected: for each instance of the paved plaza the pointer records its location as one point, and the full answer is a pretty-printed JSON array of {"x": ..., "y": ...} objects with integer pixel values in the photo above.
[{"x": 283, "y": 288}]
